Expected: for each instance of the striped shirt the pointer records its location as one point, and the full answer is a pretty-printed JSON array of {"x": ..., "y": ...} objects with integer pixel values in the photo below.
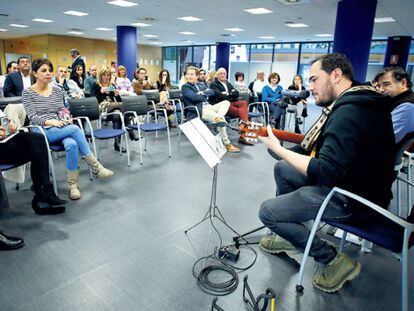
[{"x": 40, "y": 108}]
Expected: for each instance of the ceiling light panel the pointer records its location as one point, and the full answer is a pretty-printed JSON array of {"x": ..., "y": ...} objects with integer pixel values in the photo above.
[
  {"x": 123, "y": 3},
  {"x": 140, "y": 25},
  {"x": 296, "y": 25},
  {"x": 235, "y": 29},
  {"x": 3, "y": 30},
  {"x": 103, "y": 29},
  {"x": 190, "y": 19},
  {"x": 384, "y": 19},
  {"x": 187, "y": 33},
  {"x": 76, "y": 32},
  {"x": 19, "y": 25},
  {"x": 42, "y": 20},
  {"x": 322, "y": 35},
  {"x": 151, "y": 36},
  {"x": 267, "y": 37},
  {"x": 76, "y": 13},
  {"x": 258, "y": 11}
]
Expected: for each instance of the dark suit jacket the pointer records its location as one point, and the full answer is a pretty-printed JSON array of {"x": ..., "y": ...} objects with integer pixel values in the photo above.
[
  {"x": 217, "y": 87},
  {"x": 191, "y": 97},
  {"x": 78, "y": 61},
  {"x": 13, "y": 85}
]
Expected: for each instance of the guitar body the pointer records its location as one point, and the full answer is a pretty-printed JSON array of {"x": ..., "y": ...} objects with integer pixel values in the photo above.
[{"x": 251, "y": 131}]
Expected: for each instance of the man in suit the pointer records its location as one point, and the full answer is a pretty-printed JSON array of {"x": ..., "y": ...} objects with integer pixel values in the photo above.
[
  {"x": 16, "y": 82},
  {"x": 77, "y": 60},
  {"x": 223, "y": 90}
]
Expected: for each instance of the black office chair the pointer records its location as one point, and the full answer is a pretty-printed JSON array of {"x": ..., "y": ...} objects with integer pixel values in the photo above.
[{"x": 4, "y": 101}]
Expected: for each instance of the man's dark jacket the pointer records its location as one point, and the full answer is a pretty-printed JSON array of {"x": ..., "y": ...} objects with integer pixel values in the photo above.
[
  {"x": 217, "y": 87},
  {"x": 13, "y": 85},
  {"x": 356, "y": 147},
  {"x": 195, "y": 94}
]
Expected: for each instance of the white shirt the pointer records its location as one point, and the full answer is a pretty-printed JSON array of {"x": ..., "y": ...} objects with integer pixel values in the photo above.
[
  {"x": 258, "y": 86},
  {"x": 27, "y": 82},
  {"x": 225, "y": 86}
]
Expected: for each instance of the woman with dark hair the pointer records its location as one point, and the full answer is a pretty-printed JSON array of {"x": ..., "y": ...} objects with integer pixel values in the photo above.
[
  {"x": 45, "y": 107},
  {"x": 163, "y": 86},
  {"x": 297, "y": 85},
  {"x": 240, "y": 85},
  {"x": 78, "y": 75},
  {"x": 271, "y": 95}
]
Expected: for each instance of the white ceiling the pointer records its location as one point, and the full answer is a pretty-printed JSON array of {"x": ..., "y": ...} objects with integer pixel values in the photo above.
[{"x": 217, "y": 15}]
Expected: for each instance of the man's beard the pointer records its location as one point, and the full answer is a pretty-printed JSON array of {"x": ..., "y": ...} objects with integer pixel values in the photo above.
[{"x": 328, "y": 95}]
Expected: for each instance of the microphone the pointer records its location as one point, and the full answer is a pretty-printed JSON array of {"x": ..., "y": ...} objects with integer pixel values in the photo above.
[{"x": 295, "y": 94}]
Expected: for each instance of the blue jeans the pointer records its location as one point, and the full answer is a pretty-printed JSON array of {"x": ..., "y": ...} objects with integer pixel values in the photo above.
[
  {"x": 276, "y": 113},
  {"x": 73, "y": 140},
  {"x": 297, "y": 202}
]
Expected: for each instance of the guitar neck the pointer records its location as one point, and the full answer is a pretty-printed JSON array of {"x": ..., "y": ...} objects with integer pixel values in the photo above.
[{"x": 284, "y": 135}]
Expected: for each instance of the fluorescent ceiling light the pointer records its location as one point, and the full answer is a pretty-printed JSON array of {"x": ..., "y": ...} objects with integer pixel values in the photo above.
[
  {"x": 156, "y": 42},
  {"x": 18, "y": 25},
  {"x": 187, "y": 33},
  {"x": 42, "y": 20},
  {"x": 140, "y": 25},
  {"x": 258, "y": 11},
  {"x": 103, "y": 29},
  {"x": 267, "y": 37},
  {"x": 151, "y": 36},
  {"x": 296, "y": 25},
  {"x": 323, "y": 35},
  {"x": 76, "y": 32},
  {"x": 76, "y": 13},
  {"x": 190, "y": 19},
  {"x": 234, "y": 29},
  {"x": 384, "y": 19},
  {"x": 1, "y": 29},
  {"x": 123, "y": 3}
]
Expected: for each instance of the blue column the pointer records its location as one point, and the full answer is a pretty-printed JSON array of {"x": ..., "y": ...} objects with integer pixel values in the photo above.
[
  {"x": 398, "y": 50},
  {"x": 126, "y": 48},
  {"x": 223, "y": 55},
  {"x": 353, "y": 33}
]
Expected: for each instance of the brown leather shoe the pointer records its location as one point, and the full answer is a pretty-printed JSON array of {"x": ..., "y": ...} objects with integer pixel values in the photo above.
[
  {"x": 232, "y": 149},
  {"x": 243, "y": 141}
]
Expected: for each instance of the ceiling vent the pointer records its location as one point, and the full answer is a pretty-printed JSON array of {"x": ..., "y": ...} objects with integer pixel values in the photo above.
[
  {"x": 4, "y": 15},
  {"x": 226, "y": 35},
  {"x": 149, "y": 19},
  {"x": 293, "y": 2}
]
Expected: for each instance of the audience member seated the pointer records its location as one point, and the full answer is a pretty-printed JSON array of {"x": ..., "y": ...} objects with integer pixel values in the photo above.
[
  {"x": 301, "y": 111},
  {"x": 211, "y": 76},
  {"x": 78, "y": 76},
  {"x": 202, "y": 77},
  {"x": 77, "y": 60},
  {"x": 257, "y": 85},
  {"x": 90, "y": 81},
  {"x": 44, "y": 107},
  {"x": 69, "y": 87},
  {"x": 122, "y": 83},
  {"x": 164, "y": 86},
  {"x": 196, "y": 94},
  {"x": 239, "y": 84},
  {"x": 11, "y": 67},
  {"x": 142, "y": 81},
  {"x": 109, "y": 99},
  {"x": 16, "y": 82},
  {"x": 31, "y": 147},
  {"x": 396, "y": 83},
  {"x": 358, "y": 125},
  {"x": 223, "y": 90},
  {"x": 271, "y": 95},
  {"x": 183, "y": 80}
]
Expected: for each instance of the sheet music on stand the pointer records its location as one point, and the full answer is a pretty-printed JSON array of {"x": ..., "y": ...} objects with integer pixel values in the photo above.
[{"x": 210, "y": 147}]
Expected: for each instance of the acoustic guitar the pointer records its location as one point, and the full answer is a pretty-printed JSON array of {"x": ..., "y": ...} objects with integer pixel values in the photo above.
[{"x": 252, "y": 130}]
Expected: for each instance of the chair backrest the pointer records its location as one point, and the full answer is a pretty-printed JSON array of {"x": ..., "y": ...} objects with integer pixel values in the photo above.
[
  {"x": 4, "y": 101},
  {"x": 244, "y": 96},
  {"x": 84, "y": 107},
  {"x": 135, "y": 103},
  {"x": 153, "y": 95},
  {"x": 175, "y": 94}
]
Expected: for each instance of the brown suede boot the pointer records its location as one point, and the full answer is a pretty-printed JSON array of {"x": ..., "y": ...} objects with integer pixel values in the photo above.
[
  {"x": 97, "y": 168},
  {"x": 73, "y": 178}
]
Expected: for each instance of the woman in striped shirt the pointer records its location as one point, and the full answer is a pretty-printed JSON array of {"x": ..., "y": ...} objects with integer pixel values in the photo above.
[{"x": 44, "y": 105}]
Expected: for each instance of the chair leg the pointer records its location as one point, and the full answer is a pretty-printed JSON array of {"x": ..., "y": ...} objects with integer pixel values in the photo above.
[
  {"x": 408, "y": 189},
  {"x": 127, "y": 148},
  {"x": 343, "y": 239},
  {"x": 146, "y": 140},
  {"x": 4, "y": 200},
  {"x": 399, "y": 197},
  {"x": 404, "y": 277},
  {"x": 169, "y": 142},
  {"x": 52, "y": 171}
]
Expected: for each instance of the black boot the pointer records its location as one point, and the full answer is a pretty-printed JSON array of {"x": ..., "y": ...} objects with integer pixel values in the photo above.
[
  {"x": 46, "y": 202},
  {"x": 8, "y": 242},
  {"x": 117, "y": 145}
]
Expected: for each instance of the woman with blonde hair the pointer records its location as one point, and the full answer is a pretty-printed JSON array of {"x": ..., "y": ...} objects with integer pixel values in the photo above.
[{"x": 122, "y": 83}]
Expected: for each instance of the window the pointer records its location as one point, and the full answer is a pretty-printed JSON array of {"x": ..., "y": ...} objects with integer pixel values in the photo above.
[
  {"x": 310, "y": 51},
  {"x": 185, "y": 58},
  {"x": 169, "y": 62},
  {"x": 260, "y": 60},
  {"x": 285, "y": 62},
  {"x": 201, "y": 56},
  {"x": 376, "y": 59},
  {"x": 239, "y": 60},
  {"x": 410, "y": 63}
]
